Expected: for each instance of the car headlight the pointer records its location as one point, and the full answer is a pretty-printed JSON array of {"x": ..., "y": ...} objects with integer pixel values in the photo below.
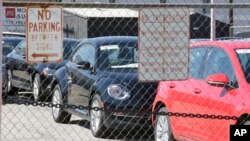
[
  {"x": 118, "y": 92},
  {"x": 47, "y": 71}
]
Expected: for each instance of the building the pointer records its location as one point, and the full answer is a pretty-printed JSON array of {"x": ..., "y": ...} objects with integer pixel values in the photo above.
[
  {"x": 239, "y": 21},
  {"x": 95, "y": 22}
]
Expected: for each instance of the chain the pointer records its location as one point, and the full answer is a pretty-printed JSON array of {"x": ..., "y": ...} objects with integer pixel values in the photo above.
[{"x": 136, "y": 112}]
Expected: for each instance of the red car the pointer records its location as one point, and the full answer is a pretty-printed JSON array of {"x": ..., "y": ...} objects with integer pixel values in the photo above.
[{"x": 218, "y": 84}]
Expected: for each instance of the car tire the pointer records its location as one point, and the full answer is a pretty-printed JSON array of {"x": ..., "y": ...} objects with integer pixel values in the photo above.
[
  {"x": 97, "y": 127},
  {"x": 10, "y": 89},
  {"x": 162, "y": 127},
  {"x": 6, "y": 90},
  {"x": 37, "y": 95},
  {"x": 58, "y": 113}
]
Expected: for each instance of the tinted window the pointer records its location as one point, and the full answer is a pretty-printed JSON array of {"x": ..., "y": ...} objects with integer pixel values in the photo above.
[
  {"x": 20, "y": 48},
  {"x": 244, "y": 57},
  {"x": 219, "y": 62},
  {"x": 69, "y": 46},
  {"x": 85, "y": 53},
  {"x": 9, "y": 45},
  {"x": 119, "y": 56},
  {"x": 197, "y": 56}
]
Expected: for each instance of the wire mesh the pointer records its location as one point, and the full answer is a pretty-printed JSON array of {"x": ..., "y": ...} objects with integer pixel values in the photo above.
[{"x": 95, "y": 93}]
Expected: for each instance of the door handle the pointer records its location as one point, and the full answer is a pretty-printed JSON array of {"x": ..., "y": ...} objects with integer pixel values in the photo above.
[
  {"x": 197, "y": 91},
  {"x": 171, "y": 85}
]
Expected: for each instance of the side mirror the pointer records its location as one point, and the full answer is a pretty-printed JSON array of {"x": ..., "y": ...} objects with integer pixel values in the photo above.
[
  {"x": 85, "y": 65},
  {"x": 219, "y": 80}
]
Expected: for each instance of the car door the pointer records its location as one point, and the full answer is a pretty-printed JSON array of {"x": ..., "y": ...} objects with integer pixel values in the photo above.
[
  {"x": 184, "y": 96},
  {"x": 217, "y": 98},
  {"x": 82, "y": 79},
  {"x": 196, "y": 96},
  {"x": 19, "y": 67}
]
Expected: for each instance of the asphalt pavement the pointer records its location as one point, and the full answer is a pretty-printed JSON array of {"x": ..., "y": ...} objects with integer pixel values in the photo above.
[{"x": 34, "y": 123}]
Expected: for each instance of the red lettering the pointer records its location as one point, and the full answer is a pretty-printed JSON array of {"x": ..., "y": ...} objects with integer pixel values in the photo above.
[
  {"x": 45, "y": 27},
  {"x": 30, "y": 26},
  {"x": 44, "y": 14}
]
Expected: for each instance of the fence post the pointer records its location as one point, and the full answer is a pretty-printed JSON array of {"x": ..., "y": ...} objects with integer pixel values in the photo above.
[{"x": 213, "y": 24}]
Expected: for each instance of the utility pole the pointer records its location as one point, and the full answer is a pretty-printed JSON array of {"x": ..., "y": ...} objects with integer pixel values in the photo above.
[
  {"x": 231, "y": 19},
  {"x": 212, "y": 24}
]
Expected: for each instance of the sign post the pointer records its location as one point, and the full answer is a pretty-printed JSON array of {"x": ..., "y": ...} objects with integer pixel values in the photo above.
[
  {"x": 44, "y": 34},
  {"x": 164, "y": 36}
]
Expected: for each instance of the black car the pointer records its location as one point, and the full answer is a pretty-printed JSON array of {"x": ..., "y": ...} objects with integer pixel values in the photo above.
[
  {"x": 102, "y": 73},
  {"x": 8, "y": 44},
  {"x": 34, "y": 77}
]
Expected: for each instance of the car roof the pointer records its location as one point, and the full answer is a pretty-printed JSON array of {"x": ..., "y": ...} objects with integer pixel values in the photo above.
[
  {"x": 70, "y": 39},
  {"x": 13, "y": 34},
  {"x": 13, "y": 38},
  {"x": 225, "y": 44},
  {"x": 98, "y": 41}
]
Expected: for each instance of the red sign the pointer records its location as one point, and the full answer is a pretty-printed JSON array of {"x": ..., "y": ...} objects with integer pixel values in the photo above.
[{"x": 10, "y": 12}]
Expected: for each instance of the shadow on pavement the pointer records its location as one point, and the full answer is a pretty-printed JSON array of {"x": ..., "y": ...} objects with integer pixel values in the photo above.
[{"x": 122, "y": 134}]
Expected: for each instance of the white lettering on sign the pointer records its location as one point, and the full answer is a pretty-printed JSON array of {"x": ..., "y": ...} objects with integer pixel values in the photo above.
[
  {"x": 44, "y": 34},
  {"x": 164, "y": 36}
]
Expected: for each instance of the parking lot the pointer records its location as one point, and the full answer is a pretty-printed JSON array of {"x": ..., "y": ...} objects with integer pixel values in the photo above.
[
  {"x": 123, "y": 70},
  {"x": 21, "y": 123}
]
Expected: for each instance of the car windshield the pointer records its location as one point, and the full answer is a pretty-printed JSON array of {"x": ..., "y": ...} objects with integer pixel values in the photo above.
[
  {"x": 9, "y": 45},
  {"x": 119, "y": 56},
  {"x": 244, "y": 58},
  {"x": 69, "y": 45}
]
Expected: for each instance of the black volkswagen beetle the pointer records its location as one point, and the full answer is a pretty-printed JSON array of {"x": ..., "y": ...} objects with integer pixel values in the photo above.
[
  {"x": 8, "y": 44},
  {"x": 34, "y": 78},
  {"x": 102, "y": 72}
]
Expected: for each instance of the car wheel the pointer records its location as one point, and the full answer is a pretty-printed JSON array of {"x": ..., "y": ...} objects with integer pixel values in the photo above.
[
  {"x": 59, "y": 115},
  {"x": 10, "y": 89},
  {"x": 6, "y": 90},
  {"x": 96, "y": 118},
  {"x": 162, "y": 130},
  {"x": 36, "y": 88}
]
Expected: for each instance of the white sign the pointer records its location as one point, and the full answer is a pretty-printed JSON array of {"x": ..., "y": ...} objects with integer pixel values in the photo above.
[
  {"x": 14, "y": 19},
  {"x": 164, "y": 36},
  {"x": 44, "y": 34}
]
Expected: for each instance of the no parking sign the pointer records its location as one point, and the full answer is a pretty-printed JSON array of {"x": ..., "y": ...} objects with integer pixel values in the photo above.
[{"x": 44, "y": 34}]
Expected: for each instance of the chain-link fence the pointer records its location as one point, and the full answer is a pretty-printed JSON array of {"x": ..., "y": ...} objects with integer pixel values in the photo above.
[{"x": 129, "y": 70}]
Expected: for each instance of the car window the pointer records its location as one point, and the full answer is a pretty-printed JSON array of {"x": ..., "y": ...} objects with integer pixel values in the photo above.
[
  {"x": 85, "y": 52},
  {"x": 244, "y": 58},
  {"x": 219, "y": 62},
  {"x": 9, "y": 44},
  {"x": 118, "y": 56},
  {"x": 197, "y": 56},
  {"x": 20, "y": 48},
  {"x": 69, "y": 46}
]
